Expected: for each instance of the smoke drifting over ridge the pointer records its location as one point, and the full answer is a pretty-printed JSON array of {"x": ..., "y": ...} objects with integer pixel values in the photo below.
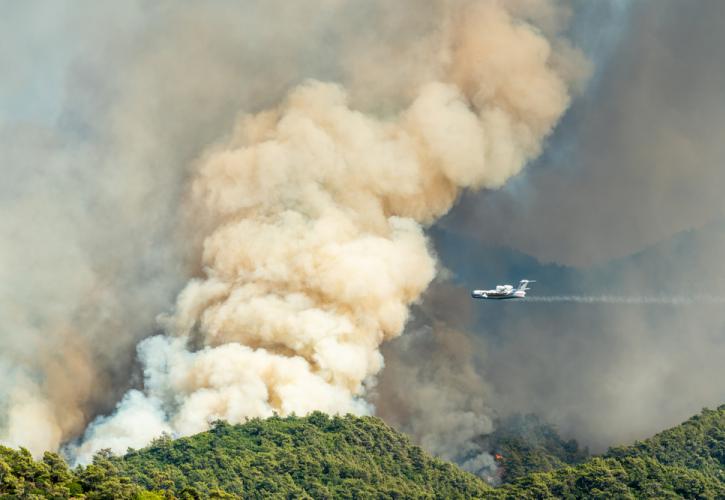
[
  {"x": 313, "y": 215},
  {"x": 443, "y": 402}
]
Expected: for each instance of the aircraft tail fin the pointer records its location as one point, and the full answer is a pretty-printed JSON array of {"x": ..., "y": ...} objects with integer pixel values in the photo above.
[{"x": 523, "y": 285}]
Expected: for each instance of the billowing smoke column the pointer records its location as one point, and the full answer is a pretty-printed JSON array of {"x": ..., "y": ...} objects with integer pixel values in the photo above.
[{"x": 313, "y": 215}]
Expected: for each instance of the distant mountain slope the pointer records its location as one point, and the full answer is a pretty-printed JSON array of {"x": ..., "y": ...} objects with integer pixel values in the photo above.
[
  {"x": 698, "y": 443},
  {"x": 687, "y": 461},
  {"x": 601, "y": 478},
  {"x": 361, "y": 457}
]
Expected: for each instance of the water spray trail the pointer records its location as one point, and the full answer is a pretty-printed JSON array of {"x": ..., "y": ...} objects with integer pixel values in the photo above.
[{"x": 633, "y": 300}]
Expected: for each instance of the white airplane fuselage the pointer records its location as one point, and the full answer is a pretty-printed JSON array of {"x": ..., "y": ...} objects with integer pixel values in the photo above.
[
  {"x": 494, "y": 295},
  {"x": 502, "y": 292}
]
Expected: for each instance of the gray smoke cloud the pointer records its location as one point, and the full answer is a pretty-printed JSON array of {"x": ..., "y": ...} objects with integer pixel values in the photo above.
[
  {"x": 622, "y": 219},
  {"x": 433, "y": 385},
  {"x": 627, "y": 174}
]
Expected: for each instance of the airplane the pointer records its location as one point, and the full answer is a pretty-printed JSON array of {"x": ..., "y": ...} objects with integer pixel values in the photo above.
[{"x": 504, "y": 291}]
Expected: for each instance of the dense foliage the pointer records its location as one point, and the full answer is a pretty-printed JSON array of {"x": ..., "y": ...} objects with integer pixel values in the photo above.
[
  {"x": 316, "y": 456},
  {"x": 687, "y": 461},
  {"x": 23, "y": 477},
  {"x": 697, "y": 444},
  {"x": 613, "y": 478},
  {"x": 360, "y": 457},
  {"x": 312, "y": 457}
]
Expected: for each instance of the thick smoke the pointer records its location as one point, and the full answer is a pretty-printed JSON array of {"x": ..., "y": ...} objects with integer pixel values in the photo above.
[
  {"x": 637, "y": 161},
  {"x": 102, "y": 110},
  {"x": 443, "y": 403},
  {"x": 312, "y": 212},
  {"x": 626, "y": 202}
]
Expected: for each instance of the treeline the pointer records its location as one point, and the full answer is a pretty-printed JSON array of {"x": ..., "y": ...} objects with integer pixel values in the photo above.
[
  {"x": 23, "y": 477},
  {"x": 311, "y": 457},
  {"x": 319, "y": 456}
]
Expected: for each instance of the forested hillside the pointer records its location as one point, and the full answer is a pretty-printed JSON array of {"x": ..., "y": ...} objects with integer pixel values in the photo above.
[
  {"x": 685, "y": 461},
  {"x": 697, "y": 444},
  {"x": 316, "y": 456},
  {"x": 312, "y": 457},
  {"x": 361, "y": 457}
]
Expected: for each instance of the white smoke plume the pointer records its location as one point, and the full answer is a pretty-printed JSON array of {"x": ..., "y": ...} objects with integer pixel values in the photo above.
[
  {"x": 96, "y": 146},
  {"x": 312, "y": 217}
]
